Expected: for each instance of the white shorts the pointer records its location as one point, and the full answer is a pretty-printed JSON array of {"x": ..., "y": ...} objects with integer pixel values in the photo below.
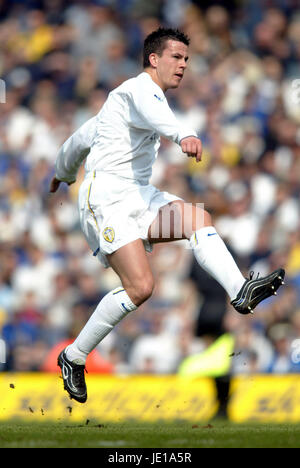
[{"x": 115, "y": 211}]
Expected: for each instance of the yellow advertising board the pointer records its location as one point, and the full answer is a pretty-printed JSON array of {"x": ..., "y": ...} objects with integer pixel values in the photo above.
[
  {"x": 265, "y": 398},
  {"x": 34, "y": 396},
  {"x": 40, "y": 397}
]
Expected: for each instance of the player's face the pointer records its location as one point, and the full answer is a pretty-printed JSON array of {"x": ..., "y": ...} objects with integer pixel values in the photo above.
[{"x": 170, "y": 66}]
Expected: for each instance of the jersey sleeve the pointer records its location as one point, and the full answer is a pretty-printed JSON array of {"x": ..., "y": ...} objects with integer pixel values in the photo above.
[
  {"x": 152, "y": 106},
  {"x": 74, "y": 151}
]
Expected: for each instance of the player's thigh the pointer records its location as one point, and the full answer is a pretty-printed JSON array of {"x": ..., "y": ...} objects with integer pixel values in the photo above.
[
  {"x": 131, "y": 264},
  {"x": 178, "y": 220}
]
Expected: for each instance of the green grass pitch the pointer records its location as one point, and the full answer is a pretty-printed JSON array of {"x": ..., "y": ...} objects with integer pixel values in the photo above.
[{"x": 92, "y": 434}]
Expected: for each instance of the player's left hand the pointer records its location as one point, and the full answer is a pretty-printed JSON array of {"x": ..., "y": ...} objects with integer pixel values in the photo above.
[{"x": 192, "y": 146}]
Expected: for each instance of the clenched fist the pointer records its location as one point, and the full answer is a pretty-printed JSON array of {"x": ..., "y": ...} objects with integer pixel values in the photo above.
[{"x": 192, "y": 146}]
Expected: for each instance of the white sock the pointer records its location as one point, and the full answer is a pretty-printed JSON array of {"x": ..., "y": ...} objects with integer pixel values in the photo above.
[
  {"x": 214, "y": 257},
  {"x": 111, "y": 309}
]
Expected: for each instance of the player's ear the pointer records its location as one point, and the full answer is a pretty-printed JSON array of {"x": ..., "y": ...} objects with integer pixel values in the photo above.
[{"x": 153, "y": 59}]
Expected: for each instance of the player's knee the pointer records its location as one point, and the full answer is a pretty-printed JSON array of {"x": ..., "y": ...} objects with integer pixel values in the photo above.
[
  {"x": 207, "y": 218},
  {"x": 198, "y": 219},
  {"x": 142, "y": 291},
  {"x": 201, "y": 218}
]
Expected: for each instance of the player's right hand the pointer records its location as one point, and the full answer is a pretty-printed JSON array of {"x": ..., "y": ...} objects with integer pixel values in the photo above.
[
  {"x": 55, "y": 183},
  {"x": 192, "y": 146}
]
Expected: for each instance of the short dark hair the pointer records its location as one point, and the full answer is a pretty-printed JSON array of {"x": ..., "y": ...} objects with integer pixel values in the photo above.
[{"x": 156, "y": 42}]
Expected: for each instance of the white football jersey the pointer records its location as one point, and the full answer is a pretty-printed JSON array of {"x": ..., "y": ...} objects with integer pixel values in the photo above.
[{"x": 124, "y": 137}]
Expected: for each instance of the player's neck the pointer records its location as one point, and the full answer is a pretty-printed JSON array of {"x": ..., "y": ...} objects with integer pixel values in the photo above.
[{"x": 154, "y": 77}]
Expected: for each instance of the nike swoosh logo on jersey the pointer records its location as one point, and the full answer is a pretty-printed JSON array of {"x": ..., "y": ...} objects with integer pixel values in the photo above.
[{"x": 159, "y": 98}]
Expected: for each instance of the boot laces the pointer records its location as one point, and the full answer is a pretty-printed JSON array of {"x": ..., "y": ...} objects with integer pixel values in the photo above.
[{"x": 252, "y": 274}]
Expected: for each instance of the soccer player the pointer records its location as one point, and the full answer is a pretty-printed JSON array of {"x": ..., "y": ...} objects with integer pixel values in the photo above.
[{"x": 122, "y": 215}]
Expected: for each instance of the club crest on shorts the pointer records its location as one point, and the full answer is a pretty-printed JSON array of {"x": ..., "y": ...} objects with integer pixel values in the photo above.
[{"x": 108, "y": 234}]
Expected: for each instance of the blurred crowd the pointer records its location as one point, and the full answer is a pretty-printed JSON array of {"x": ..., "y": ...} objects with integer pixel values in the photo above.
[{"x": 59, "y": 59}]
